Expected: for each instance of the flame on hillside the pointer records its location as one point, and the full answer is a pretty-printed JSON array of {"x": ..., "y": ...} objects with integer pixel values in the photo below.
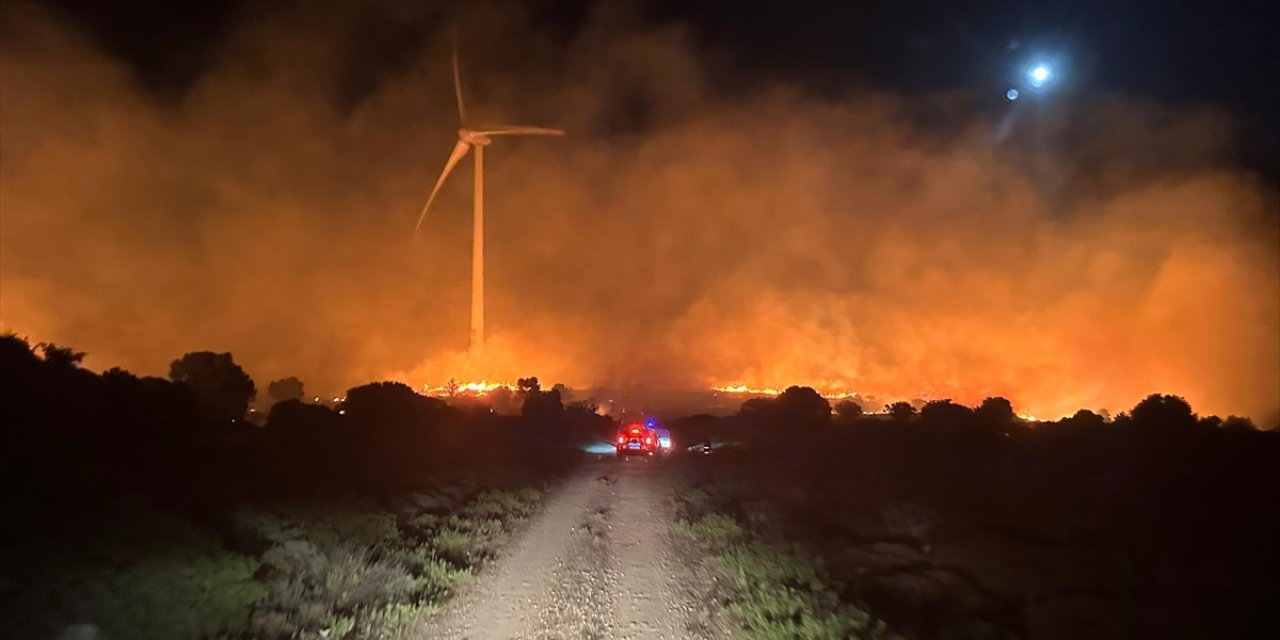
[
  {"x": 826, "y": 392},
  {"x": 454, "y": 388}
]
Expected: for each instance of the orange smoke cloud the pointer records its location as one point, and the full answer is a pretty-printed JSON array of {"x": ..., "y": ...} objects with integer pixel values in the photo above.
[{"x": 677, "y": 238}]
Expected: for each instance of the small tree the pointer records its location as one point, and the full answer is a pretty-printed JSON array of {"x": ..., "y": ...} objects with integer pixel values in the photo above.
[
  {"x": 222, "y": 388},
  {"x": 946, "y": 413},
  {"x": 565, "y": 395},
  {"x": 995, "y": 412},
  {"x": 64, "y": 357},
  {"x": 285, "y": 389},
  {"x": 757, "y": 407},
  {"x": 527, "y": 388},
  {"x": 900, "y": 411},
  {"x": 803, "y": 404},
  {"x": 542, "y": 405},
  {"x": 1163, "y": 411},
  {"x": 848, "y": 410},
  {"x": 381, "y": 403},
  {"x": 528, "y": 385},
  {"x": 1084, "y": 419},
  {"x": 1239, "y": 424}
]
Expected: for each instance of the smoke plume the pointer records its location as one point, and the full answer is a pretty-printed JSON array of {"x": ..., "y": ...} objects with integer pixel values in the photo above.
[{"x": 682, "y": 235}]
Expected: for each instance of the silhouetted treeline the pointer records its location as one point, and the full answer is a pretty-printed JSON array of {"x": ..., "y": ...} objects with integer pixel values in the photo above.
[
  {"x": 952, "y": 521},
  {"x": 72, "y": 435}
]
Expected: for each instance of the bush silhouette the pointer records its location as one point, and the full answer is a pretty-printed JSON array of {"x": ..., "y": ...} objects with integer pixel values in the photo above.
[
  {"x": 757, "y": 407},
  {"x": 298, "y": 416},
  {"x": 900, "y": 411},
  {"x": 542, "y": 405},
  {"x": 848, "y": 410},
  {"x": 388, "y": 403},
  {"x": 1084, "y": 419},
  {"x": 945, "y": 413},
  {"x": 995, "y": 412},
  {"x": 1163, "y": 411},
  {"x": 286, "y": 389},
  {"x": 803, "y": 405},
  {"x": 222, "y": 387}
]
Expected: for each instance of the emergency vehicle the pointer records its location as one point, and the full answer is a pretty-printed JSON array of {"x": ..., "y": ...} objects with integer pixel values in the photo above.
[{"x": 637, "y": 439}]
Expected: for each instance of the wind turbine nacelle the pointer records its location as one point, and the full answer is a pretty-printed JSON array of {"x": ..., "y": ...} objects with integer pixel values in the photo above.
[{"x": 473, "y": 138}]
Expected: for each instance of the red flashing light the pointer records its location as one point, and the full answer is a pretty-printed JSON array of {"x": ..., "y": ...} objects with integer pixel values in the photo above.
[
  {"x": 648, "y": 440},
  {"x": 622, "y": 439}
]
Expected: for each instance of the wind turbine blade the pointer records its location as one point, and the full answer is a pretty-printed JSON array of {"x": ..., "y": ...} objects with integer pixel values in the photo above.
[
  {"x": 457, "y": 82},
  {"x": 459, "y": 151},
  {"x": 516, "y": 130}
]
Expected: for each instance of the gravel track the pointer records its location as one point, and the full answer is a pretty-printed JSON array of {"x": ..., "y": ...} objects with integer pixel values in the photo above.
[{"x": 597, "y": 562}]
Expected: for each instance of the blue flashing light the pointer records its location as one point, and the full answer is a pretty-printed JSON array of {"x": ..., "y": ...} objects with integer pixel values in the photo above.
[{"x": 1011, "y": 95}]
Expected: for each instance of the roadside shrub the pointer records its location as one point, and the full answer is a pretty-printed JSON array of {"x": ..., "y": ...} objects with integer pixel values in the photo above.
[
  {"x": 182, "y": 592},
  {"x": 692, "y": 504},
  {"x": 140, "y": 574},
  {"x": 756, "y": 565},
  {"x": 777, "y": 595},
  {"x": 392, "y": 622},
  {"x": 434, "y": 502},
  {"x": 771, "y": 592},
  {"x": 326, "y": 526},
  {"x": 422, "y": 524},
  {"x": 435, "y": 580},
  {"x": 355, "y": 579},
  {"x": 296, "y": 558},
  {"x": 466, "y": 542},
  {"x": 504, "y": 505},
  {"x": 270, "y": 624},
  {"x": 717, "y": 530}
]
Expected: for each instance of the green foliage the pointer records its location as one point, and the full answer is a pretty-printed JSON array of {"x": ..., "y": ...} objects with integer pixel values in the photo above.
[
  {"x": 717, "y": 530},
  {"x": 324, "y": 527},
  {"x": 467, "y": 542},
  {"x": 348, "y": 571},
  {"x": 503, "y": 505},
  {"x": 154, "y": 577},
  {"x": 356, "y": 579},
  {"x": 392, "y": 622},
  {"x": 170, "y": 596},
  {"x": 772, "y": 593},
  {"x": 435, "y": 579},
  {"x": 776, "y": 594}
]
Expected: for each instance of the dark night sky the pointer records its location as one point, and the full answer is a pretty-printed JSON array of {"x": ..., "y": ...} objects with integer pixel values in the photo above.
[{"x": 1225, "y": 54}]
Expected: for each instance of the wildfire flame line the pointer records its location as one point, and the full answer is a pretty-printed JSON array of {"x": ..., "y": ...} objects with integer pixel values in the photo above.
[
  {"x": 476, "y": 388},
  {"x": 482, "y": 388},
  {"x": 773, "y": 391}
]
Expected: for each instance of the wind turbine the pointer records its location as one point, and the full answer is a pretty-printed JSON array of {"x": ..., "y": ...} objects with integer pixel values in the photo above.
[{"x": 475, "y": 136}]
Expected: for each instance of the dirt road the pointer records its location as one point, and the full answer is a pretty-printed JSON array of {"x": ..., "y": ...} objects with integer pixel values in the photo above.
[{"x": 599, "y": 561}]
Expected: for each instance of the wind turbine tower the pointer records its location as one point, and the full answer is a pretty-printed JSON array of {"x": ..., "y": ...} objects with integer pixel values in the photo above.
[{"x": 475, "y": 137}]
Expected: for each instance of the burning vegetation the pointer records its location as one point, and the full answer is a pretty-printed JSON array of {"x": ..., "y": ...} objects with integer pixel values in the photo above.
[{"x": 685, "y": 234}]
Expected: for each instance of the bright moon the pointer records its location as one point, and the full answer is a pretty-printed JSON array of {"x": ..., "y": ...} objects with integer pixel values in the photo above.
[{"x": 1039, "y": 74}]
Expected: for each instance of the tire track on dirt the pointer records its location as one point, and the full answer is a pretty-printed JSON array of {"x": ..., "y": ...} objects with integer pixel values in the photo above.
[{"x": 597, "y": 562}]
